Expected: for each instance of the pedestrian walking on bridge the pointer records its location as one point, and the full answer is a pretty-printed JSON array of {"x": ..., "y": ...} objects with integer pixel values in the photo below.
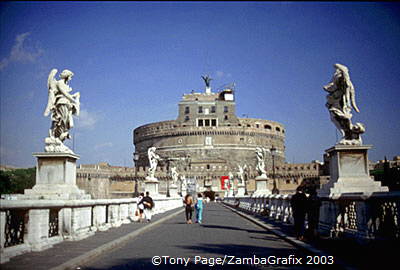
[
  {"x": 148, "y": 206},
  {"x": 199, "y": 208},
  {"x": 299, "y": 208},
  {"x": 313, "y": 205},
  {"x": 188, "y": 202}
]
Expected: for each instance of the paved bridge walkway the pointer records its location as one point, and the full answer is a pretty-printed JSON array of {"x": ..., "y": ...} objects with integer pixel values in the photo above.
[{"x": 224, "y": 237}]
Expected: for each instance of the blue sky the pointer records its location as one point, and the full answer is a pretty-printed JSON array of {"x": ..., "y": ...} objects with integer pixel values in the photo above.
[{"x": 133, "y": 61}]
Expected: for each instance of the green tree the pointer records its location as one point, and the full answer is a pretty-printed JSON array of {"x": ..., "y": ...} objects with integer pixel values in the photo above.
[{"x": 16, "y": 181}]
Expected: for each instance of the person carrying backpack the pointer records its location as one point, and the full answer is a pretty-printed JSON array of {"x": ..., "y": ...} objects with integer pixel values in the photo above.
[{"x": 148, "y": 206}]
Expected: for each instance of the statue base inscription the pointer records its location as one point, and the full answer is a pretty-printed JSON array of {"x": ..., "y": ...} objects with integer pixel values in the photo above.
[
  {"x": 56, "y": 177},
  {"x": 349, "y": 172}
]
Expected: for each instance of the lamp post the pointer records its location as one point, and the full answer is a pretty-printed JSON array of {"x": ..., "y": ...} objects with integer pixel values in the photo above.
[
  {"x": 136, "y": 158},
  {"x": 186, "y": 164},
  {"x": 245, "y": 181},
  {"x": 273, "y": 153},
  {"x": 168, "y": 174}
]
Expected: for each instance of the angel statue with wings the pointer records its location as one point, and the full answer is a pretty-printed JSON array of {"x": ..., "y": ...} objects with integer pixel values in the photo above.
[
  {"x": 260, "y": 154},
  {"x": 61, "y": 105},
  {"x": 174, "y": 175},
  {"x": 241, "y": 173},
  {"x": 153, "y": 161},
  {"x": 207, "y": 79},
  {"x": 340, "y": 101}
]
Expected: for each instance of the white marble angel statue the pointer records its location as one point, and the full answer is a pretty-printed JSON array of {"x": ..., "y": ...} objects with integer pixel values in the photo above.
[
  {"x": 62, "y": 106},
  {"x": 241, "y": 173},
  {"x": 153, "y": 161},
  {"x": 260, "y": 167},
  {"x": 183, "y": 181},
  {"x": 340, "y": 101},
  {"x": 174, "y": 175},
  {"x": 230, "y": 180}
]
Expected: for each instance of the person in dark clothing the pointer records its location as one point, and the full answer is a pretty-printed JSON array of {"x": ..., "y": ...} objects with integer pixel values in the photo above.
[
  {"x": 148, "y": 206},
  {"x": 188, "y": 201},
  {"x": 313, "y": 205},
  {"x": 299, "y": 209},
  {"x": 140, "y": 206}
]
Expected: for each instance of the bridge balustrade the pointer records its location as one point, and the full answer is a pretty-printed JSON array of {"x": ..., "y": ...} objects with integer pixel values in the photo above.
[
  {"x": 351, "y": 215},
  {"x": 35, "y": 225}
]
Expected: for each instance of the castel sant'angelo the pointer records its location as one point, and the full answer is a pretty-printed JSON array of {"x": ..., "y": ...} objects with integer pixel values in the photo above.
[
  {"x": 206, "y": 143},
  {"x": 208, "y": 131}
]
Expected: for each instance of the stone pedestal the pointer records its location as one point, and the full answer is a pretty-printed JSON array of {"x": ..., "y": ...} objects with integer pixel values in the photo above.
[
  {"x": 262, "y": 186},
  {"x": 56, "y": 177},
  {"x": 151, "y": 185},
  {"x": 349, "y": 172},
  {"x": 241, "y": 190},
  {"x": 173, "y": 190}
]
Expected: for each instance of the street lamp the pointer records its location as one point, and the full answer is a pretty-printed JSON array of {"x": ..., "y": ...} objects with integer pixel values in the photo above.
[
  {"x": 136, "y": 158},
  {"x": 168, "y": 174},
  {"x": 245, "y": 181},
  {"x": 273, "y": 153}
]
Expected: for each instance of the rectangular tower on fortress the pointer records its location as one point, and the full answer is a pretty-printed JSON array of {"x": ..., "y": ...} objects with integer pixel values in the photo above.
[{"x": 208, "y": 110}]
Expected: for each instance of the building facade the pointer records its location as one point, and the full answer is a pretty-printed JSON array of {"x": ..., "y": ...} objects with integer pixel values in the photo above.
[{"x": 209, "y": 134}]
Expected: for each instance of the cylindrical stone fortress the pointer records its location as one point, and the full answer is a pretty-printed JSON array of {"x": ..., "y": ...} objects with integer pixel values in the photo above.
[{"x": 217, "y": 141}]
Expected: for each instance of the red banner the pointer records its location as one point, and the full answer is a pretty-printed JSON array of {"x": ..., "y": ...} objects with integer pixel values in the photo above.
[{"x": 223, "y": 180}]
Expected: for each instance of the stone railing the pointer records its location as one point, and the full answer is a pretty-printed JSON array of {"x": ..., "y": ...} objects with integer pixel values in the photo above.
[
  {"x": 362, "y": 217},
  {"x": 276, "y": 207},
  {"x": 35, "y": 225}
]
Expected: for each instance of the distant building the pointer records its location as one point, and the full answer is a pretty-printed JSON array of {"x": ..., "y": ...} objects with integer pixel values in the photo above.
[
  {"x": 104, "y": 181},
  {"x": 217, "y": 141},
  {"x": 211, "y": 141},
  {"x": 395, "y": 162}
]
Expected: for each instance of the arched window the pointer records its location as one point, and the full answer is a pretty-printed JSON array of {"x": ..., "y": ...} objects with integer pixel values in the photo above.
[{"x": 267, "y": 127}]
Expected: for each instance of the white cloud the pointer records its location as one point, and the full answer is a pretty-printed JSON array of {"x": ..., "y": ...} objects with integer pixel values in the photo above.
[
  {"x": 86, "y": 120},
  {"x": 20, "y": 53},
  {"x": 102, "y": 145}
]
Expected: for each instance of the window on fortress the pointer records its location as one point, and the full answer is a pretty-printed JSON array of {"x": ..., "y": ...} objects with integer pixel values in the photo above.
[
  {"x": 187, "y": 110},
  {"x": 257, "y": 125},
  {"x": 267, "y": 127},
  {"x": 226, "y": 117},
  {"x": 213, "y": 109},
  {"x": 186, "y": 118},
  {"x": 200, "y": 123},
  {"x": 225, "y": 109},
  {"x": 207, "y": 122},
  {"x": 213, "y": 122},
  {"x": 278, "y": 129},
  {"x": 200, "y": 109}
]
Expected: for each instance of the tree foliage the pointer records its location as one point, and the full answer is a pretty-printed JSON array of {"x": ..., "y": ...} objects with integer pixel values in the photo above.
[{"x": 17, "y": 180}]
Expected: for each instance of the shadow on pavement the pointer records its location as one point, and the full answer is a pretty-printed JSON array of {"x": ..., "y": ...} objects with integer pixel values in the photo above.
[{"x": 240, "y": 257}]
